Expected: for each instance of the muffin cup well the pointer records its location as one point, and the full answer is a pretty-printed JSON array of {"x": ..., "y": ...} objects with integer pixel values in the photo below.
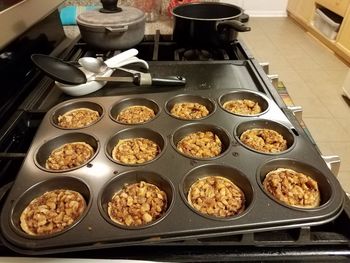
[
  {"x": 117, "y": 183},
  {"x": 230, "y": 173},
  {"x": 64, "y": 182},
  {"x": 265, "y": 124},
  {"x": 324, "y": 186},
  {"x": 76, "y": 105},
  {"x": 261, "y": 99},
  {"x": 123, "y": 104},
  {"x": 208, "y": 103},
  {"x": 185, "y": 130},
  {"x": 44, "y": 151},
  {"x": 135, "y": 133}
]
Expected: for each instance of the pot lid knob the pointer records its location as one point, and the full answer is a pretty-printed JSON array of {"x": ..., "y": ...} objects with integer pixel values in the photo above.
[{"x": 110, "y": 6}]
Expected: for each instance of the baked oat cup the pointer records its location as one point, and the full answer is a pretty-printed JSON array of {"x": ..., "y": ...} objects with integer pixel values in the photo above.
[
  {"x": 244, "y": 103},
  {"x": 50, "y": 207},
  {"x": 201, "y": 141},
  {"x": 294, "y": 184},
  {"x": 264, "y": 136},
  {"x": 217, "y": 191},
  {"x": 189, "y": 107},
  {"x": 66, "y": 152},
  {"x": 136, "y": 199},
  {"x": 135, "y": 146},
  {"x": 77, "y": 115},
  {"x": 134, "y": 111}
]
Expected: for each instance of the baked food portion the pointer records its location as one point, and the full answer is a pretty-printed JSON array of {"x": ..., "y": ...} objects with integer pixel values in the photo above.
[
  {"x": 189, "y": 110},
  {"x": 135, "y": 114},
  {"x": 244, "y": 107},
  {"x": 264, "y": 140},
  {"x": 52, "y": 212},
  {"x": 69, "y": 155},
  {"x": 216, "y": 196},
  {"x": 292, "y": 188},
  {"x": 135, "y": 151},
  {"x": 200, "y": 144},
  {"x": 78, "y": 118},
  {"x": 137, "y": 204}
]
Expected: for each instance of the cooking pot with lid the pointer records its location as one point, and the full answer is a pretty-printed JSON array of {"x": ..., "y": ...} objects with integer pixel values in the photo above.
[
  {"x": 112, "y": 27},
  {"x": 207, "y": 24}
]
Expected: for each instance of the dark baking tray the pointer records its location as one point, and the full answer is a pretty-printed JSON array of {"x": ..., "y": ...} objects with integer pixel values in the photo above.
[{"x": 172, "y": 171}]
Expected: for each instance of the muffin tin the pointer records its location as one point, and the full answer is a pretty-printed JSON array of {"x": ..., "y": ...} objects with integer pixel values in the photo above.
[{"x": 171, "y": 171}]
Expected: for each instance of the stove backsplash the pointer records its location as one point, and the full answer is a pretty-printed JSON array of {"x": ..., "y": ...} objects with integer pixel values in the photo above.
[{"x": 16, "y": 68}]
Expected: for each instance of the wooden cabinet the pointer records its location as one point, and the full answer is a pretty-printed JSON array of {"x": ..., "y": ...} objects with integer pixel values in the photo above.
[
  {"x": 303, "y": 12},
  {"x": 343, "y": 40},
  {"x": 337, "y": 6}
]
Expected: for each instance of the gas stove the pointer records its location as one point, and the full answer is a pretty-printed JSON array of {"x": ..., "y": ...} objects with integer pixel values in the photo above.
[{"x": 33, "y": 95}]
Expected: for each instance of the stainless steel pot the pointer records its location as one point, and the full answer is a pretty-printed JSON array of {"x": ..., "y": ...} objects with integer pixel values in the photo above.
[
  {"x": 207, "y": 24},
  {"x": 112, "y": 27}
]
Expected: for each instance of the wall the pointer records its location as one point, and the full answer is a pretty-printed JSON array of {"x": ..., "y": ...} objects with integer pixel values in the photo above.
[{"x": 262, "y": 8}]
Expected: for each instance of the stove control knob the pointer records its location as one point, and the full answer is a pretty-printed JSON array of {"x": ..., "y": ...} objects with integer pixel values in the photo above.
[
  {"x": 274, "y": 79},
  {"x": 297, "y": 112},
  {"x": 265, "y": 66}
]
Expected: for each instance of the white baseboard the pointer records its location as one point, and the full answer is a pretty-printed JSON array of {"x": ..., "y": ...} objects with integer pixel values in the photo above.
[{"x": 266, "y": 13}]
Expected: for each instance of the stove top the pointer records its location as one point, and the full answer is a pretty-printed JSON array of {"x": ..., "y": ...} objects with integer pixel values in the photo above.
[{"x": 22, "y": 115}]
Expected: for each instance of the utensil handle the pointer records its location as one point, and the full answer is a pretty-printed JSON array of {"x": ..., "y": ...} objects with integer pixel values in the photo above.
[
  {"x": 169, "y": 81},
  {"x": 113, "y": 61}
]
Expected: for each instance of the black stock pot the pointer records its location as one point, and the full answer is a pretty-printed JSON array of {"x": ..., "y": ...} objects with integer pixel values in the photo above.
[{"x": 207, "y": 24}]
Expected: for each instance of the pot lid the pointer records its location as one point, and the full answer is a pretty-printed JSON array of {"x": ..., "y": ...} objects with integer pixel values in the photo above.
[{"x": 95, "y": 18}]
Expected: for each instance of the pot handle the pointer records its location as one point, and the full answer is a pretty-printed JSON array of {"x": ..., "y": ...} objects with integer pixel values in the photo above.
[
  {"x": 233, "y": 24},
  {"x": 117, "y": 29}
]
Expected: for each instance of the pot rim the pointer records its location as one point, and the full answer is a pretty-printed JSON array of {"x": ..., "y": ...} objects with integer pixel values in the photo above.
[{"x": 206, "y": 19}]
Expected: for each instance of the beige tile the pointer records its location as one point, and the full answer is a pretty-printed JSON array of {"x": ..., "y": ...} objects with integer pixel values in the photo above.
[
  {"x": 336, "y": 105},
  {"x": 326, "y": 130},
  {"x": 343, "y": 151},
  {"x": 345, "y": 123},
  {"x": 312, "y": 106},
  {"x": 344, "y": 180}
]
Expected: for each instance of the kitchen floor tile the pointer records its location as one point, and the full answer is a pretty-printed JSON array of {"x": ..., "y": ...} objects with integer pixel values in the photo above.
[
  {"x": 313, "y": 76},
  {"x": 326, "y": 130},
  {"x": 344, "y": 180}
]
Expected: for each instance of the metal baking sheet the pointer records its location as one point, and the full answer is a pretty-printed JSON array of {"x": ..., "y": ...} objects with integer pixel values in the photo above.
[{"x": 172, "y": 171}]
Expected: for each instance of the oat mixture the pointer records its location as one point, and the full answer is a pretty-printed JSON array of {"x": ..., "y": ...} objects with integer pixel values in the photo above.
[
  {"x": 135, "y": 114},
  {"x": 200, "y": 145},
  {"x": 137, "y": 204},
  {"x": 78, "y": 118},
  {"x": 264, "y": 140},
  {"x": 69, "y": 155},
  {"x": 216, "y": 196},
  {"x": 135, "y": 151},
  {"x": 52, "y": 212},
  {"x": 189, "y": 110},
  {"x": 293, "y": 188},
  {"x": 244, "y": 107}
]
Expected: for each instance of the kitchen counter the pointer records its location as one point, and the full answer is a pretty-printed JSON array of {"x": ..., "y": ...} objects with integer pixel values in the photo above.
[{"x": 164, "y": 24}]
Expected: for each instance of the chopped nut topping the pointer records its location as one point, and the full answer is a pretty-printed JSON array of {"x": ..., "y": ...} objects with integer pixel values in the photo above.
[
  {"x": 244, "y": 107},
  {"x": 135, "y": 151},
  {"x": 135, "y": 114},
  {"x": 216, "y": 196},
  {"x": 189, "y": 110},
  {"x": 264, "y": 140},
  {"x": 200, "y": 144},
  {"x": 78, "y": 118},
  {"x": 69, "y": 155},
  {"x": 137, "y": 204},
  {"x": 52, "y": 212},
  {"x": 292, "y": 188}
]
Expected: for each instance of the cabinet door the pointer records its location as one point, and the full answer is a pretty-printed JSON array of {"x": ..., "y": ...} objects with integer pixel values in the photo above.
[
  {"x": 292, "y": 6},
  {"x": 305, "y": 10},
  {"x": 344, "y": 34},
  {"x": 337, "y": 6}
]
